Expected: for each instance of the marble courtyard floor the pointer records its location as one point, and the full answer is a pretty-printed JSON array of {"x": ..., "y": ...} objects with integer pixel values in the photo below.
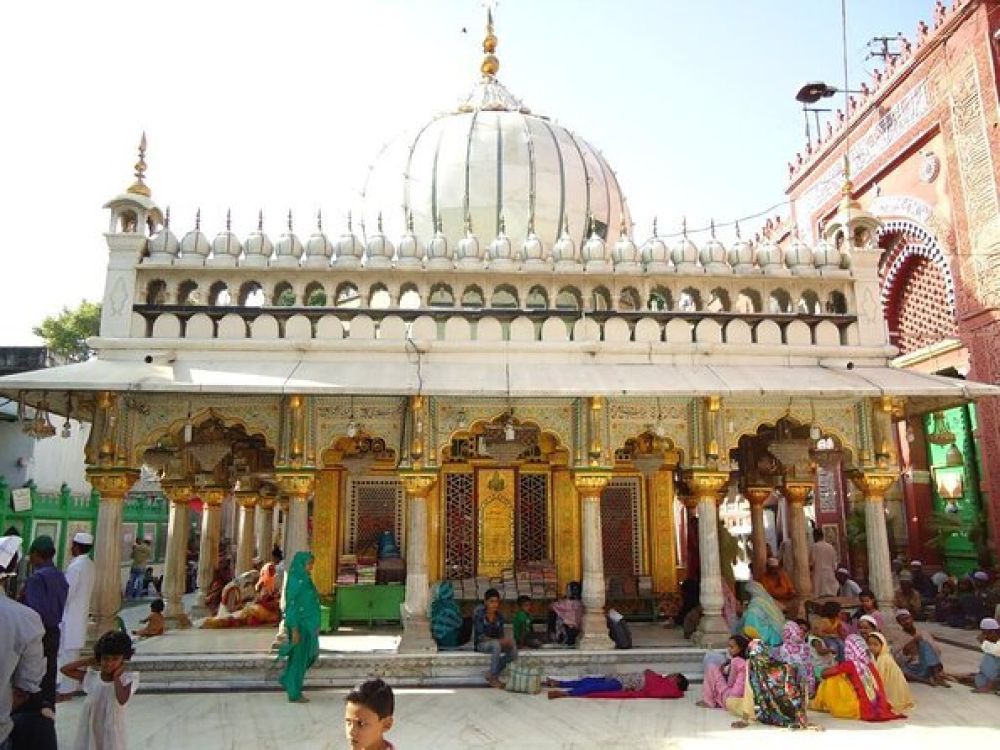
[{"x": 471, "y": 717}]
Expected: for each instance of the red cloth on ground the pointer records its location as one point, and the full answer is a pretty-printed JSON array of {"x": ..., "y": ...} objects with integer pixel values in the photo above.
[
  {"x": 654, "y": 685},
  {"x": 877, "y": 710}
]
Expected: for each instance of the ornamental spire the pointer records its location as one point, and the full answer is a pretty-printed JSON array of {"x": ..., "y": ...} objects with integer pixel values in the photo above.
[
  {"x": 139, "y": 187},
  {"x": 490, "y": 64}
]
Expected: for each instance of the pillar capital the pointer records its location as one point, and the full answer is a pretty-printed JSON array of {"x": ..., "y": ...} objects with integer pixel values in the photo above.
[
  {"x": 246, "y": 498},
  {"x": 590, "y": 482},
  {"x": 267, "y": 502},
  {"x": 797, "y": 492},
  {"x": 296, "y": 483},
  {"x": 705, "y": 483},
  {"x": 757, "y": 495},
  {"x": 873, "y": 483},
  {"x": 112, "y": 483},
  {"x": 213, "y": 495},
  {"x": 418, "y": 483},
  {"x": 178, "y": 494}
]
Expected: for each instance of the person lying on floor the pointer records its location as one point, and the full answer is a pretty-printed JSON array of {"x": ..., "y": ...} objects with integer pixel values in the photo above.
[{"x": 648, "y": 684}]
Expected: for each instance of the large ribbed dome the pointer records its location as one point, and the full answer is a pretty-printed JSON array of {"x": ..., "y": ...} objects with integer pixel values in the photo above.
[{"x": 492, "y": 157}]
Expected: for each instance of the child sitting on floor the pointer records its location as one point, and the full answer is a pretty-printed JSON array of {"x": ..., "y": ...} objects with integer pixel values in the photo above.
[
  {"x": 524, "y": 634},
  {"x": 155, "y": 623},
  {"x": 831, "y": 628}
]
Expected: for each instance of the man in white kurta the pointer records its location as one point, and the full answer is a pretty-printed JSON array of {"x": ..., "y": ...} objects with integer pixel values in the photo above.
[
  {"x": 824, "y": 561},
  {"x": 80, "y": 574}
]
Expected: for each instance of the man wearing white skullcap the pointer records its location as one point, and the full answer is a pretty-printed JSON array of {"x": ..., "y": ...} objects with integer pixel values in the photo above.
[
  {"x": 987, "y": 679},
  {"x": 81, "y": 576}
]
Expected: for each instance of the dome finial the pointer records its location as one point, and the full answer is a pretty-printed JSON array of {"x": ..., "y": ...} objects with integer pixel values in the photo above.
[
  {"x": 166, "y": 218},
  {"x": 197, "y": 220},
  {"x": 139, "y": 187},
  {"x": 409, "y": 221},
  {"x": 654, "y": 227},
  {"x": 349, "y": 227},
  {"x": 290, "y": 221},
  {"x": 490, "y": 64},
  {"x": 848, "y": 187},
  {"x": 738, "y": 236},
  {"x": 468, "y": 223},
  {"x": 380, "y": 222},
  {"x": 503, "y": 225},
  {"x": 260, "y": 220},
  {"x": 319, "y": 220},
  {"x": 684, "y": 226},
  {"x": 711, "y": 227},
  {"x": 229, "y": 220},
  {"x": 593, "y": 226}
]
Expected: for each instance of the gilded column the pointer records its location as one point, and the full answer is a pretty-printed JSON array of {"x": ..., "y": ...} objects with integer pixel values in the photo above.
[
  {"x": 112, "y": 484},
  {"x": 664, "y": 527},
  {"x": 175, "y": 567},
  {"x": 566, "y": 533},
  {"x": 264, "y": 526},
  {"x": 245, "y": 538},
  {"x": 589, "y": 483},
  {"x": 326, "y": 511},
  {"x": 758, "y": 539},
  {"x": 874, "y": 483},
  {"x": 797, "y": 492},
  {"x": 208, "y": 552},
  {"x": 416, "y": 625},
  {"x": 707, "y": 487}
]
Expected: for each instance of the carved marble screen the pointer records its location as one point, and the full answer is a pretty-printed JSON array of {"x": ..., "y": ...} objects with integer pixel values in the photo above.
[
  {"x": 621, "y": 530},
  {"x": 374, "y": 505}
]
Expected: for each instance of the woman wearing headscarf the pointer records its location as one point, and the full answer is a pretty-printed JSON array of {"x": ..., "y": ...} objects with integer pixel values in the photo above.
[
  {"x": 796, "y": 652},
  {"x": 449, "y": 628},
  {"x": 896, "y": 688},
  {"x": 726, "y": 679},
  {"x": 853, "y": 689},
  {"x": 302, "y": 620},
  {"x": 566, "y": 615},
  {"x": 773, "y": 693},
  {"x": 764, "y": 619}
]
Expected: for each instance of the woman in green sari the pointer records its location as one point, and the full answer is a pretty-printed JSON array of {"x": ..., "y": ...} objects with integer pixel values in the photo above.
[{"x": 302, "y": 620}]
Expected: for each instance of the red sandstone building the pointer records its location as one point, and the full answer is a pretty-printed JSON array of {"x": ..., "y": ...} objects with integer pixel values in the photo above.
[{"x": 924, "y": 145}]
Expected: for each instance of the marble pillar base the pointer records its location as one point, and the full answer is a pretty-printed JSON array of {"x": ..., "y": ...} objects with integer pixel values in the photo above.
[
  {"x": 178, "y": 621},
  {"x": 595, "y": 632},
  {"x": 417, "y": 637},
  {"x": 712, "y": 632}
]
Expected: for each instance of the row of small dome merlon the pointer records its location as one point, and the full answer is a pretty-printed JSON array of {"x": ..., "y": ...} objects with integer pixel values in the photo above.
[{"x": 378, "y": 251}]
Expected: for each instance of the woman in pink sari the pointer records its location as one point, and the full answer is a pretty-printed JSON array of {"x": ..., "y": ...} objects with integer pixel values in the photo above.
[{"x": 728, "y": 679}]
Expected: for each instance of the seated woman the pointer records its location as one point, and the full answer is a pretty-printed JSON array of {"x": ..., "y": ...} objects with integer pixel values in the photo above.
[
  {"x": 764, "y": 618},
  {"x": 727, "y": 679},
  {"x": 869, "y": 606},
  {"x": 648, "y": 684},
  {"x": 566, "y": 616},
  {"x": 896, "y": 689},
  {"x": 772, "y": 694},
  {"x": 262, "y": 601},
  {"x": 795, "y": 652},
  {"x": 222, "y": 575},
  {"x": 853, "y": 689},
  {"x": 448, "y": 628}
]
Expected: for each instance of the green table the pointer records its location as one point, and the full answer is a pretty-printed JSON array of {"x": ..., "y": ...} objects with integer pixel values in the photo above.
[{"x": 367, "y": 604}]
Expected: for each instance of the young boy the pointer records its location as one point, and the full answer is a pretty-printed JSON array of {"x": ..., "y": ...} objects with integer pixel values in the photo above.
[
  {"x": 155, "y": 623},
  {"x": 489, "y": 638},
  {"x": 368, "y": 716},
  {"x": 524, "y": 635}
]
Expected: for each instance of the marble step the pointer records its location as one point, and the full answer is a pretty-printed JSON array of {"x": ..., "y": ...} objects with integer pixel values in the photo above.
[{"x": 259, "y": 670}]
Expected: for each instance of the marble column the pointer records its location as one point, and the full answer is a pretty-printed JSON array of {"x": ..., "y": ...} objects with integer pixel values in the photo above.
[
  {"x": 112, "y": 484},
  {"x": 297, "y": 485},
  {"x": 175, "y": 567},
  {"x": 796, "y": 493},
  {"x": 208, "y": 551},
  {"x": 873, "y": 484},
  {"x": 416, "y": 625},
  {"x": 247, "y": 508},
  {"x": 758, "y": 538},
  {"x": 264, "y": 527},
  {"x": 589, "y": 484},
  {"x": 708, "y": 488},
  {"x": 277, "y": 532}
]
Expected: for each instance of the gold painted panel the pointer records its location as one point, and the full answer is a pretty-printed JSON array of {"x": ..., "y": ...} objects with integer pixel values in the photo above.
[
  {"x": 326, "y": 512},
  {"x": 663, "y": 532},
  {"x": 566, "y": 523},
  {"x": 496, "y": 494}
]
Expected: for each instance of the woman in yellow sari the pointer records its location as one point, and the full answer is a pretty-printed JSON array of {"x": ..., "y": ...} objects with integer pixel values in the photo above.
[{"x": 896, "y": 688}]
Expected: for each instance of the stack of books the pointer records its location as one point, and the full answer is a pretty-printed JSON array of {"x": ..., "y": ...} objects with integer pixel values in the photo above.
[
  {"x": 367, "y": 569},
  {"x": 534, "y": 578},
  {"x": 347, "y": 571}
]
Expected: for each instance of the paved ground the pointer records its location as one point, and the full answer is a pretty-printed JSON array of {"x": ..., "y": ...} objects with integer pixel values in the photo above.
[{"x": 483, "y": 718}]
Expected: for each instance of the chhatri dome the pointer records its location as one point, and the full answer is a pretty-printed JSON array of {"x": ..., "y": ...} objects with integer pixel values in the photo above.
[{"x": 492, "y": 161}]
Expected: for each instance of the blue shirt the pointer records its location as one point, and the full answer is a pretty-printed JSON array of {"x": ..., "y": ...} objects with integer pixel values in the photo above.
[
  {"x": 46, "y": 592},
  {"x": 483, "y": 628}
]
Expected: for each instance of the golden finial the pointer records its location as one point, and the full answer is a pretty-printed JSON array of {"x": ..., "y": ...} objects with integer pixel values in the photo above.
[
  {"x": 847, "y": 189},
  {"x": 490, "y": 64},
  {"x": 593, "y": 226},
  {"x": 622, "y": 229},
  {"x": 139, "y": 187}
]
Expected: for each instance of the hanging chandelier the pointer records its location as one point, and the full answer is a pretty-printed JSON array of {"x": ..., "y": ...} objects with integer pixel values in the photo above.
[
  {"x": 40, "y": 425},
  {"x": 941, "y": 435}
]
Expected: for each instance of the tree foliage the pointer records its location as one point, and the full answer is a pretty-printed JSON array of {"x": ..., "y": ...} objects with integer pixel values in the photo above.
[{"x": 66, "y": 334}]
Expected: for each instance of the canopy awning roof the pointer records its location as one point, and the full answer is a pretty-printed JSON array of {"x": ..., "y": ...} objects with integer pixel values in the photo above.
[{"x": 516, "y": 379}]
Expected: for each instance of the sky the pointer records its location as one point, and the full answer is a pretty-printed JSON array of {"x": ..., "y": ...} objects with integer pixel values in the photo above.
[{"x": 282, "y": 105}]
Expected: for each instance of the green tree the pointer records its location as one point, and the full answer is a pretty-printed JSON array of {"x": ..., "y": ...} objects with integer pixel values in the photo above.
[{"x": 66, "y": 334}]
